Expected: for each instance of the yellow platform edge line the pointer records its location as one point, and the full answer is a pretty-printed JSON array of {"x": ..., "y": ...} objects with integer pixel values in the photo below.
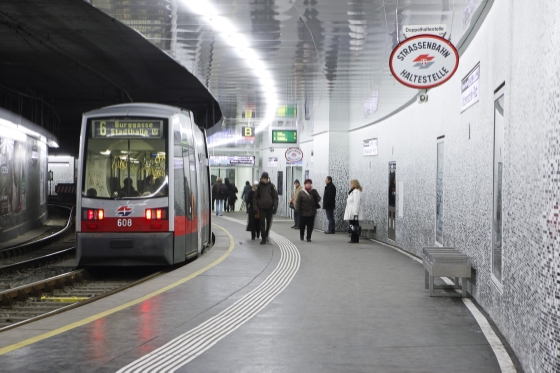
[{"x": 89, "y": 319}]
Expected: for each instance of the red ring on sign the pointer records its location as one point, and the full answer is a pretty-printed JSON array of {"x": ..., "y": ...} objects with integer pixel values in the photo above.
[
  {"x": 424, "y": 86},
  {"x": 298, "y": 151}
]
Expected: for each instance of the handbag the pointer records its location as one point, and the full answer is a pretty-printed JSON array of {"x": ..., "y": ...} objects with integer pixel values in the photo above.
[
  {"x": 292, "y": 205},
  {"x": 355, "y": 228}
]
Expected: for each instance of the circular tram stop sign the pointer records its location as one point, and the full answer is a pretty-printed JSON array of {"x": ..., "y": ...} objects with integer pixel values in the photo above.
[{"x": 424, "y": 61}]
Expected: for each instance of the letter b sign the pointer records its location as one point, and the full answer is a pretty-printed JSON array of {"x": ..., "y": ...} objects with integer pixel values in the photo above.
[{"x": 248, "y": 131}]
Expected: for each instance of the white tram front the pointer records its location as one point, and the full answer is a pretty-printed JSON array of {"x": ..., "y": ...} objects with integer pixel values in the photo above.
[{"x": 143, "y": 187}]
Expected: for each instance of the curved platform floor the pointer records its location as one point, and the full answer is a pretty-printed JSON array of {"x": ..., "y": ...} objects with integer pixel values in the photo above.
[{"x": 351, "y": 308}]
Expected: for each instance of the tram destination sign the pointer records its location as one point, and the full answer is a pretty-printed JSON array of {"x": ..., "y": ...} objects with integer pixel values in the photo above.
[
  {"x": 284, "y": 137},
  {"x": 127, "y": 128},
  {"x": 424, "y": 61}
]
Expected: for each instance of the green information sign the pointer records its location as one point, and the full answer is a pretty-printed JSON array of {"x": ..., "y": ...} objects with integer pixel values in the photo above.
[
  {"x": 127, "y": 128},
  {"x": 284, "y": 136},
  {"x": 287, "y": 111}
]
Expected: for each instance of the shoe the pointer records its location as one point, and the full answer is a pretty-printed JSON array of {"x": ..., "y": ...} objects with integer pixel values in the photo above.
[
  {"x": 309, "y": 240},
  {"x": 328, "y": 232},
  {"x": 301, "y": 238},
  {"x": 353, "y": 242},
  {"x": 221, "y": 214},
  {"x": 293, "y": 227},
  {"x": 253, "y": 238},
  {"x": 263, "y": 241}
]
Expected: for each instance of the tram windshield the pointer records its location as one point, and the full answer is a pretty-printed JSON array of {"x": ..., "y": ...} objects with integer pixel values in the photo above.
[{"x": 131, "y": 165}]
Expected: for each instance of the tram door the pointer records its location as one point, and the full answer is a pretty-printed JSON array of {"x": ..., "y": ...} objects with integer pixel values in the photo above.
[
  {"x": 392, "y": 234},
  {"x": 191, "y": 188}
]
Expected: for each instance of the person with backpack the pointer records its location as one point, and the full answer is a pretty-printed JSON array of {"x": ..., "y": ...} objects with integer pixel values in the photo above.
[
  {"x": 218, "y": 194},
  {"x": 265, "y": 204}
]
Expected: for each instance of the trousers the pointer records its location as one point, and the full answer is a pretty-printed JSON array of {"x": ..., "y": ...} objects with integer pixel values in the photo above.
[
  {"x": 296, "y": 218},
  {"x": 355, "y": 237},
  {"x": 306, "y": 221},
  {"x": 266, "y": 222},
  {"x": 330, "y": 218}
]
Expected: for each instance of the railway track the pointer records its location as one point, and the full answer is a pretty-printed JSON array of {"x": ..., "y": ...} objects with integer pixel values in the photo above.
[
  {"x": 36, "y": 253},
  {"x": 63, "y": 292}
]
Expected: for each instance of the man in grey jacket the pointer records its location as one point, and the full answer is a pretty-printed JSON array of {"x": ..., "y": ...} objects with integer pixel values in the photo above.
[{"x": 265, "y": 202}]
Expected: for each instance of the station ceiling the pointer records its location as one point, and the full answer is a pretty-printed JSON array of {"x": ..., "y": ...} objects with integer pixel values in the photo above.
[
  {"x": 59, "y": 59},
  {"x": 255, "y": 55}
]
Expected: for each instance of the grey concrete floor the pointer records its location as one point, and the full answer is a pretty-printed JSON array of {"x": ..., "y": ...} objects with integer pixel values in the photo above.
[{"x": 350, "y": 308}]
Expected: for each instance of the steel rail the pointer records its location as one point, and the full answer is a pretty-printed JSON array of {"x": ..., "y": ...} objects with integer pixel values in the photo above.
[
  {"x": 36, "y": 290},
  {"x": 10, "y": 268},
  {"x": 36, "y": 244}
]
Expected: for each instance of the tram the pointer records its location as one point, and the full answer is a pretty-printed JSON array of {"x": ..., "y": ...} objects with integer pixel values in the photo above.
[{"x": 143, "y": 187}]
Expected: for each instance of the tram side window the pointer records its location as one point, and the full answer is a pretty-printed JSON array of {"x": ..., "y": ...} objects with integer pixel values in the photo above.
[{"x": 122, "y": 168}]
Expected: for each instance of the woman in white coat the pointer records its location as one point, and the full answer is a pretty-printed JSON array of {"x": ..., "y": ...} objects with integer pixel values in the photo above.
[{"x": 354, "y": 211}]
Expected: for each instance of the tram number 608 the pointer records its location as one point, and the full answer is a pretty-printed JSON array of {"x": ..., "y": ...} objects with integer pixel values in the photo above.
[{"x": 124, "y": 222}]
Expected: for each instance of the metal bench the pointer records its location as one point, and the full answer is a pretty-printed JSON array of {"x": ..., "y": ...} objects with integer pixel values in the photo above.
[
  {"x": 446, "y": 262},
  {"x": 368, "y": 228}
]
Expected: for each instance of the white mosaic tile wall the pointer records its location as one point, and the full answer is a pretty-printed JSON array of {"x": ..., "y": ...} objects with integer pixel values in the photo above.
[{"x": 518, "y": 44}]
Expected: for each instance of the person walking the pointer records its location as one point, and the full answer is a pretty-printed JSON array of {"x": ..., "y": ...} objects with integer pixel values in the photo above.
[
  {"x": 306, "y": 204},
  {"x": 227, "y": 194},
  {"x": 297, "y": 188},
  {"x": 265, "y": 204},
  {"x": 218, "y": 194},
  {"x": 245, "y": 194},
  {"x": 329, "y": 198},
  {"x": 354, "y": 211},
  {"x": 253, "y": 221}
]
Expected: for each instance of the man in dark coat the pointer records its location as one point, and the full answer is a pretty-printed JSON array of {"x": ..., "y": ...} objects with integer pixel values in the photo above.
[
  {"x": 217, "y": 194},
  {"x": 265, "y": 204},
  {"x": 329, "y": 198},
  {"x": 245, "y": 195}
]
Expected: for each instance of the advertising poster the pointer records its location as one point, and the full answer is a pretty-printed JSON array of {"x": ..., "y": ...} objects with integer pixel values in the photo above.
[
  {"x": 273, "y": 162},
  {"x": 12, "y": 175}
]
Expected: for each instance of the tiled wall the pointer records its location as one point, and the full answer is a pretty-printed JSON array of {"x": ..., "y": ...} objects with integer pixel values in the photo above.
[{"x": 518, "y": 44}]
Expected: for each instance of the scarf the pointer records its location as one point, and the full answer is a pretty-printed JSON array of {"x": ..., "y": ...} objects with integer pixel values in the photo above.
[{"x": 308, "y": 189}]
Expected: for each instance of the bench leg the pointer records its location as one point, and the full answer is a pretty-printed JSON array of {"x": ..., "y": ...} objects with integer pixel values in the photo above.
[
  {"x": 431, "y": 284},
  {"x": 426, "y": 279}
]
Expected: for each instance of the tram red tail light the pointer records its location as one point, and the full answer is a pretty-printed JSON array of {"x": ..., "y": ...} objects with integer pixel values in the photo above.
[
  {"x": 91, "y": 214},
  {"x": 156, "y": 214}
]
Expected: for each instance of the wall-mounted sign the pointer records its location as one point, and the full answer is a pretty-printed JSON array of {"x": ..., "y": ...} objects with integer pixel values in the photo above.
[
  {"x": 284, "y": 136},
  {"x": 227, "y": 160},
  {"x": 469, "y": 88},
  {"x": 145, "y": 128},
  {"x": 424, "y": 61},
  {"x": 273, "y": 162},
  {"x": 287, "y": 111},
  {"x": 413, "y": 30},
  {"x": 370, "y": 147},
  {"x": 370, "y": 104},
  {"x": 248, "y": 133},
  {"x": 294, "y": 155}
]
